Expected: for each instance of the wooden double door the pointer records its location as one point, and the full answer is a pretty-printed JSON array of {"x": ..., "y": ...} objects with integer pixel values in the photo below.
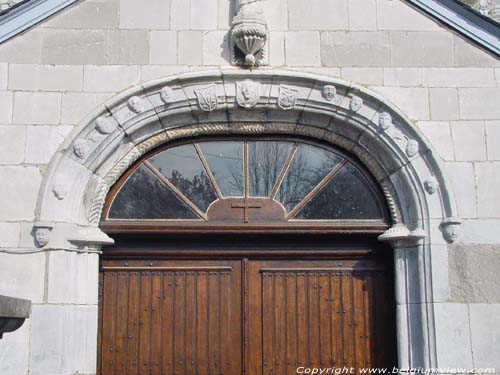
[{"x": 244, "y": 316}]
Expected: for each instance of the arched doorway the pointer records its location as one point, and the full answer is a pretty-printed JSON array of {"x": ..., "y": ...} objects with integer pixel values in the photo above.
[
  {"x": 245, "y": 255},
  {"x": 233, "y": 103}
]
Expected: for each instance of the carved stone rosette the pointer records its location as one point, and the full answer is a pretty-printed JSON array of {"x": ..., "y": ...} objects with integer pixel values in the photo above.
[{"x": 249, "y": 35}]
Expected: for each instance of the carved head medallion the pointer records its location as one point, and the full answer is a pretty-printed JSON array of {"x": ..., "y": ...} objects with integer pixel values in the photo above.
[
  {"x": 411, "y": 148},
  {"x": 356, "y": 103},
  {"x": 166, "y": 94},
  {"x": 431, "y": 185},
  {"x": 247, "y": 93},
  {"x": 81, "y": 148},
  {"x": 207, "y": 98},
  {"x": 104, "y": 125},
  {"x": 135, "y": 104},
  {"x": 287, "y": 97},
  {"x": 450, "y": 227},
  {"x": 385, "y": 120},
  {"x": 42, "y": 234},
  {"x": 329, "y": 92}
]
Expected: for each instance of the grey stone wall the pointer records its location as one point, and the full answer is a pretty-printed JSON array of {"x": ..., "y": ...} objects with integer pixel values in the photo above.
[{"x": 56, "y": 73}]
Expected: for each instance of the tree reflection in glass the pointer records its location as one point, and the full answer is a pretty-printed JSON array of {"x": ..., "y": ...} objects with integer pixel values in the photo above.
[
  {"x": 265, "y": 162},
  {"x": 182, "y": 167}
]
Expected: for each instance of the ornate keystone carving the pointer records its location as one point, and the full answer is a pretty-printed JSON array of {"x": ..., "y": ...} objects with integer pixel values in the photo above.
[
  {"x": 81, "y": 148},
  {"x": 249, "y": 34},
  {"x": 287, "y": 97},
  {"x": 42, "y": 233},
  {"x": 329, "y": 92},
  {"x": 247, "y": 93},
  {"x": 450, "y": 227},
  {"x": 104, "y": 125},
  {"x": 431, "y": 185},
  {"x": 207, "y": 98},
  {"x": 135, "y": 104},
  {"x": 166, "y": 94}
]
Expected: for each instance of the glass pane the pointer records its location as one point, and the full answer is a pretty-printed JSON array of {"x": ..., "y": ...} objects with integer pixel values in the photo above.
[
  {"x": 348, "y": 195},
  {"x": 226, "y": 163},
  {"x": 265, "y": 162},
  {"x": 144, "y": 196},
  {"x": 182, "y": 167},
  {"x": 309, "y": 166}
]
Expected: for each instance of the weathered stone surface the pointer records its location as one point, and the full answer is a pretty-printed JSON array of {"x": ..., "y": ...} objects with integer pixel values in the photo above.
[
  {"x": 493, "y": 139},
  {"x": 150, "y": 72},
  {"x": 216, "y": 48},
  {"x": 467, "y": 54},
  {"x": 364, "y": 76},
  {"x": 318, "y": 15},
  {"x": 444, "y": 104},
  {"x": 110, "y": 78},
  {"x": 226, "y": 12},
  {"x": 63, "y": 339},
  {"x": 163, "y": 47},
  {"x": 77, "y": 287},
  {"x": 362, "y": 15},
  {"x": 421, "y": 48},
  {"x": 127, "y": 47},
  {"x": 41, "y": 152},
  {"x": 276, "y": 14},
  {"x": 180, "y": 14},
  {"x": 452, "y": 331},
  {"x": 19, "y": 191},
  {"x": 42, "y": 108},
  {"x": 459, "y": 77},
  {"x": 302, "y": 48},
  {"x": 485, "y": 335},
  {"x": 94, "y": 14},
  {"x": 397, "y": 15},
  {"x": 357, "y": 48},
  {"x": 463, "y": 182},
  {"x": 12, "y": 141},
  {"x": 76, "y": 105},
  {"x": 479, "y": 104},
  {"x": 23, "y": 276},
  {"x": 6, "y": 105},
  {"x": 4, "y": 75},
  {"x": 469, "y": 140},
  {"x": 45, "y": 77},
  {"x": 23, "y": 49},
  {"x": 404, "y": 77},
  {"x": 474, "y": 276},
  {"x": 439, "y": 135},
  {"x": 480, "y": 231},
  {"x": 277, "y": 48},
  {"x": 488, "y": 181},
  {"x": 12, "y": 307},
  {"x": 412, "y": 101},
  {"x": 9, "y": 235},
  {"x": 190, "y": 47},
  {"x": 156, "y": 16},
  {"x": 203, "y": 14}
]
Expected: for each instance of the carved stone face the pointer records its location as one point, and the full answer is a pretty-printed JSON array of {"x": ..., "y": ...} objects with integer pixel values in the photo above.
[
  {"x": 81, "y": 148},
  {"x": 356, "y": 103},
  {"x": 104, "y": 125},
  {"x": 385, "y": 120},
  {"x": 42, "y": 236},
  {"x": 450, "y": 232},
  {"x": 60, "y": 190},
  {"x": 247, "y": 93},
  {"x": 166, "y": 94},
  {"x": 135, "y": 104},
  {"x": 329, "y": 92},
  {"x": 431, "y": 185},
  {"x": 412, "y": 148}
]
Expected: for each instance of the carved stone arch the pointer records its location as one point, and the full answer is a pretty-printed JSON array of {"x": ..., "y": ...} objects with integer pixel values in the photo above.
[{"x": 119, "y": 132}]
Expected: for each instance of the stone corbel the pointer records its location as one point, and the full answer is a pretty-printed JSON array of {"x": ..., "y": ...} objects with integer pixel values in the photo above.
[
  {"x": 400, "y": 236},
  {"x": 90, "y": 239},
  {"x": 248, "y": 35}
]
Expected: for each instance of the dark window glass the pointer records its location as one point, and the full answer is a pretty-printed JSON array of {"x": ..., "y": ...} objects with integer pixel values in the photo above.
[
  {"x": 347, "y": 196},
  {"x": 309, "y": 166},
  {"x": 182, "y": 167},
  {"x": 226, "y": 163},
  {"x": 265, "y": 162},
  {"x": 144, "y": 196}
]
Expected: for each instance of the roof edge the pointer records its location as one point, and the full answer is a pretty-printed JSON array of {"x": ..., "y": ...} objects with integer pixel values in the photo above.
[
  {"x": 28, "y": 14},
  {"x": 465, "y": 21}
]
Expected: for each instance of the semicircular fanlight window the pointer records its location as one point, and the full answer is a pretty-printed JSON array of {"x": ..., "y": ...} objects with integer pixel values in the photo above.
[{"x": 309, "y": 181}]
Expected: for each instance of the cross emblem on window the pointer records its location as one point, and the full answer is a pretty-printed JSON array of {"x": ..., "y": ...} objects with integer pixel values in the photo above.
[{"x": 246, "y": 205}]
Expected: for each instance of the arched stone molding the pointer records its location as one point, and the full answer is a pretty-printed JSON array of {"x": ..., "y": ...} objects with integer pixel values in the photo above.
[{"x": 119, "y": 132}]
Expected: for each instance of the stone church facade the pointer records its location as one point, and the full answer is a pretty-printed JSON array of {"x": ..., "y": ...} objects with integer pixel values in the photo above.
[{"x": 87, "y": 92}]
